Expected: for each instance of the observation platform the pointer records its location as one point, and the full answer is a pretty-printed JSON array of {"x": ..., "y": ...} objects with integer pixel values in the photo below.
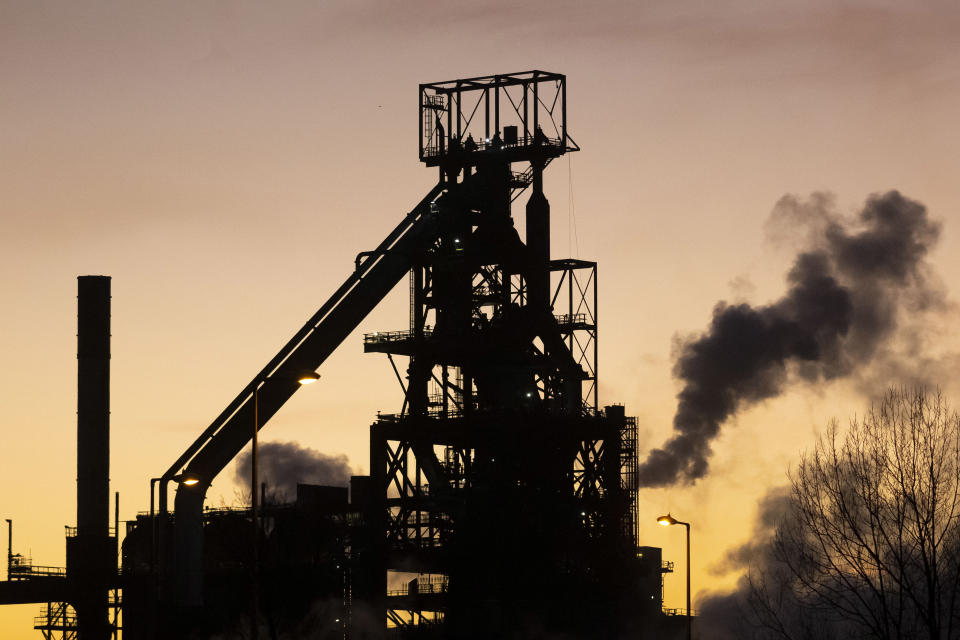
[
  {"x": 407, "y": 342},
  {"x": 465, "y": 153}
]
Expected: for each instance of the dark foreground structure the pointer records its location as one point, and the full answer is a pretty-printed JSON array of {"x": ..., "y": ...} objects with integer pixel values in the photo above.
[{"x": 502, "y": 499}]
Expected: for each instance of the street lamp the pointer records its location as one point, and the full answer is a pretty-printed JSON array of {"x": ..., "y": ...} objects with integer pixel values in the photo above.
[
  {"x": 667, "y": 521},
  {"x": 307, "y": 377},
  {"x": 9, "y": 545}
]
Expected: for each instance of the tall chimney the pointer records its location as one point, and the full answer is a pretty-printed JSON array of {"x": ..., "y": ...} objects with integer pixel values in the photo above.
[
  {"x": 93, "y": 406},
  {"x": 92, "y": 552}
]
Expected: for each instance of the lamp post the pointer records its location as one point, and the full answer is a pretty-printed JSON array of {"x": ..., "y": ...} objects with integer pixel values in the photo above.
[
  {"x": 9, "y": 545},
  {"x": 667, "y": 521},
  {"x": 305, "y": 378}
]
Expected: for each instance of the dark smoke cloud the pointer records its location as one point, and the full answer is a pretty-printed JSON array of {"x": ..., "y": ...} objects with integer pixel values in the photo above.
[
  {"x": 283, "y": 465},
  {"x": 847, "y": 289}
]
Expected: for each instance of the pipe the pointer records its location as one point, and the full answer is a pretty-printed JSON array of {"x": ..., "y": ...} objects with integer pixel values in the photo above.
[
  {"x": 538, "y": 244},
  {"x": 90, "y": 561},
  {"x": 93, "y": 406},
  {"x": 9, "y": 545}
]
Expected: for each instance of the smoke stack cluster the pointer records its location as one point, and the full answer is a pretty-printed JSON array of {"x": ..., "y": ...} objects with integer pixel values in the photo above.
[{"x": 846, "y": 291}]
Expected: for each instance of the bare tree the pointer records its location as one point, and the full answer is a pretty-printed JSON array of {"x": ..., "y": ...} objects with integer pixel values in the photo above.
[{"x": 871, "y": 540}]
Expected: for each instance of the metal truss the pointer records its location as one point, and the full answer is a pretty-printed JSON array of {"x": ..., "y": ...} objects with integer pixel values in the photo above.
[
  {"x": 529, "y": 108},
  {"x": 574, "y": 302},
  {"x": 414, "y": 523},
  {"x": 57, "y": 621}
]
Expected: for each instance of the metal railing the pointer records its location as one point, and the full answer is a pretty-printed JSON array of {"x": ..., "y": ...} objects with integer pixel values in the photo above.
[
  {"x": 423, "y": 585},
  {"x": 492, "y": 144},
  {"x": 567, "y": 319},
  {"x": 20, "y": 568},
  {"x": 386, "y": 337},
  {"x": 56, "y": 617},
  {"x": 72, "y": 532}
]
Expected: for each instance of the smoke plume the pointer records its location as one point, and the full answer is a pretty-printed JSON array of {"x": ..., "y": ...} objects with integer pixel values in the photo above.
[
  {"x": 283, "y": 465},
  {"x": 740, "y": 612},
  {"x": 765, "y": 603},
  {"x": 849, "y": 284}
]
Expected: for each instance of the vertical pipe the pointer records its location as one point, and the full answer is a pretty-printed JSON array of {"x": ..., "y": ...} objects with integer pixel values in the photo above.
[
  {"x": 370, "y": 582},
  {"x": 689, "y": 615},
  {"x": 89, "y": 559},
  {"x": 416, "y": 303},
  {"x": 93, "y": 406},
  {"x": 486, "y": 112},
  {"x": 163, "y": 532},
  {"x": 570, "y": 272},
  {"x": 538, "y": 243},
  {"x": 153, "y": 530},
  {"x": 536, "y": 102},
  {"x": 9, "y": 546},
  {"x": 459, "y": 116},
  {"x": 450, "y": 116},
  {"x": 526, "y": 126},
  {"x": 254, "y": 586},
  {"x": 496, "y": 101},
  {"x": 563, "y": 111},
  {"x": 116, "y": 559}
]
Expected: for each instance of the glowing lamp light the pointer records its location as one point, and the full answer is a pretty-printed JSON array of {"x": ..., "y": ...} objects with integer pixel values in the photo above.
[
  {"x": 186, "y": 479},
  {"x": 667, "y": 520},
  {"x": 308, "y": 378}
]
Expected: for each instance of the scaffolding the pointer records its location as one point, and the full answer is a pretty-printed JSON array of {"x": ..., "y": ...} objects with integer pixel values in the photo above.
[{"x": 500, "y": 448}]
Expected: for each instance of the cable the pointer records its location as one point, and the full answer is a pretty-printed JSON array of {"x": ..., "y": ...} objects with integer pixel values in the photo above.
[{"x": 572, "y": 235}]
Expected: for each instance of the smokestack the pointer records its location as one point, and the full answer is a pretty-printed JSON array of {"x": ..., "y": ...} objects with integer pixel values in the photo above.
[
  {"x": 93, "y": 406},
  {"x": 92, "y": 553}
]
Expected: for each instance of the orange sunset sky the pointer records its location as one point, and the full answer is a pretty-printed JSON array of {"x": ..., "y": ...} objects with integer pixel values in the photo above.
[{"x": 224, "y": 161}]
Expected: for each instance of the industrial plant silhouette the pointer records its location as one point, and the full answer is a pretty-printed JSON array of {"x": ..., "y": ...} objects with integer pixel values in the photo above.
[{"x": 502, "y": 493}]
